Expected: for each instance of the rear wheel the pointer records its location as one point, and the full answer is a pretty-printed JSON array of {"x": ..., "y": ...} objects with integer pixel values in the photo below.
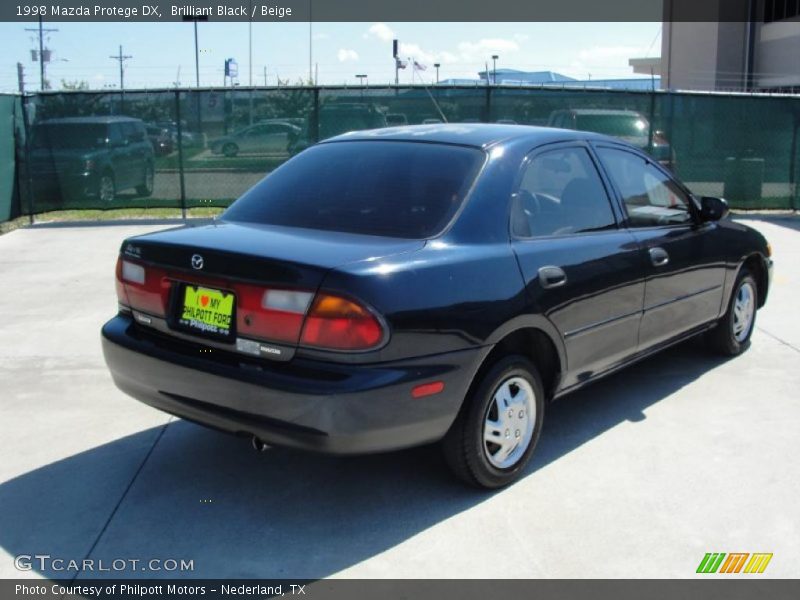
[
  {"x": 732, "y": 334},
  {"x": 106, "y": 189},
  {"x": 496, "y": 431}
]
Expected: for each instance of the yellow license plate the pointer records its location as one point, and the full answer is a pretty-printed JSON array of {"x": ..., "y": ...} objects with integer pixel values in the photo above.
[{"x": 207, "y": 310}]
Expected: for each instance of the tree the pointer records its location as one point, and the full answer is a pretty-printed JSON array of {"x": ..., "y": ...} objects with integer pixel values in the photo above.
[{"x": 75, "y": 85}]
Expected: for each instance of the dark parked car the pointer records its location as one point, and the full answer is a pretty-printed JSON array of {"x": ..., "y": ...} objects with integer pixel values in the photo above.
[
  {"x": 91, "y": 157},
  {"x": 396, "y": 287},
  {"x": 161, "y": 139},
  {"x": 262, "y": 138},
  {"x": 627, "y": 125}
]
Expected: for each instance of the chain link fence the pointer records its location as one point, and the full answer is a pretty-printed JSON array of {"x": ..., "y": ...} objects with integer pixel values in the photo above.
[{"x": 188, "y": 148}]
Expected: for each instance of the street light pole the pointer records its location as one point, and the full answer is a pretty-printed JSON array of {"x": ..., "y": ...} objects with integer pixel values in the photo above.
[
  {"x": 437, "y": 65},
  {"x": 494, "y": 68}
]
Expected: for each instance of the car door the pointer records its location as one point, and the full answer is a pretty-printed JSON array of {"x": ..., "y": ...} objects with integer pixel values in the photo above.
[
  {"x": 139, "y": 151},
  {"x": 118, "y": 149},
  {"x": 255, "y": 139},
  {"x": 276, "y": 138},
  {"x": 581, "y": 270},
  {"x": 685, "y": 264}
]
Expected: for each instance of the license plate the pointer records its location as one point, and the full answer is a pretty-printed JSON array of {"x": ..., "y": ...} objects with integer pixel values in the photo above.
[{"x": 207, "y": 310}]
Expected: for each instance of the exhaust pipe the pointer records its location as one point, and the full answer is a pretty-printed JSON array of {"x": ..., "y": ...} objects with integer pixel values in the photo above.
[{"x": 258, "y": 445}]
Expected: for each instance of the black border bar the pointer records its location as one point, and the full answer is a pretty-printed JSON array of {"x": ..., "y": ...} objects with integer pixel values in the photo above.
[{"x": 380, "y": 10}]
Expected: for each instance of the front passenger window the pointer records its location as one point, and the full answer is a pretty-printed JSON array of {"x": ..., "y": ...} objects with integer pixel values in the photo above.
[
  {"x": 651, "y": 197},
  {"x": 561, "y": 193}
]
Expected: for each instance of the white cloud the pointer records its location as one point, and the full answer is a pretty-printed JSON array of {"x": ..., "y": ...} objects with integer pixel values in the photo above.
[
  {"x": 381, "y": 31},
  {"x": 521, "y": 37},
  {"x": 484, "y": 48},
  {"x": 417, "y": 53},
  {"x": 345, "y": 55}
]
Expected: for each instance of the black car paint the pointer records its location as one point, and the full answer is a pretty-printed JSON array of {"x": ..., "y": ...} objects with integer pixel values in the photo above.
[{"x": 447, "y": 302}]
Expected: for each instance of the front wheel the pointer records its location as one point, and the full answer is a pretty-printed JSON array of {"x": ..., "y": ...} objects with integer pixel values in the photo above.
[
  {"x": 494, "y": 436},
  {"x": 732, "y": 334},
  {"x": 230, "y": 150}
]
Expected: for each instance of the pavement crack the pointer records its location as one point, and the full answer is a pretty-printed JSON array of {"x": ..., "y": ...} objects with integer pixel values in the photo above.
[
  {"x": 777, "y": 339},
  {"x": 124, "y": 495}
]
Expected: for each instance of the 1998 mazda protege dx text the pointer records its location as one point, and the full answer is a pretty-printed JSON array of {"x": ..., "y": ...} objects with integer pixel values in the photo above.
[{"x": 396, "y": 287}]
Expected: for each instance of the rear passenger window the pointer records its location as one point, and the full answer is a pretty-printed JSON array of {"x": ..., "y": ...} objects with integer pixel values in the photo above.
[{"x": 561, "y": 193}]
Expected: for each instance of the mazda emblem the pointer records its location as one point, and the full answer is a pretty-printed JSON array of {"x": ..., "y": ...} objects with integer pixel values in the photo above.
[{"x": 197, "y": 261}]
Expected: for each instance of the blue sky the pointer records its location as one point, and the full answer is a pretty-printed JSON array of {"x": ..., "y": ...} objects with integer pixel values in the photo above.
[{"x": 340, "y": 49}]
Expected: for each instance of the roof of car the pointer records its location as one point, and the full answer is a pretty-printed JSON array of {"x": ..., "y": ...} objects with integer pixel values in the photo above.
[
  {"x": 601, "y": 111},
  {"x": 100, "y": 119},
  {"x": 480, "y": 135}
]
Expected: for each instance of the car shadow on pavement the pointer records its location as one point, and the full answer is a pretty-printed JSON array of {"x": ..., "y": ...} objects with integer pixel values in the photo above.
[{"x": 208, "y": 497}]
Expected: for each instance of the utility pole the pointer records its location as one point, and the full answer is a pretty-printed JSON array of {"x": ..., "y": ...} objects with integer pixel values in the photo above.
[
  {"x": 250, "y": 43},
  {"x": 494, "y": 69},
  {"x": 265, "y": 75},
  {"x": 21, "y": 77},
  {"x": 121, "y": 58},
  {"x": 41, "y": 31},
  {"x": 396, "y": 63},
  {"x": 310, "y": 43},
  {"x": 196, "y": 57},
  {"x": 437, "y": 65}
]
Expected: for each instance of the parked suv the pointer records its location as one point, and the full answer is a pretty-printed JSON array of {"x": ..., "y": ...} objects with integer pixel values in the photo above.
[
  {"x": 627, "y": 125},
  {"x": 91, "y": 157}
]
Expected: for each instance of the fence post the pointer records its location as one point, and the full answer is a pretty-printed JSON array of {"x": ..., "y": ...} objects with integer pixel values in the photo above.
[
  {"x": 487, "y": 117},
  {"x": 179, "y": 127},
  {"x": 651, "y": 119},
  {"x": 315, "y": 116},
  {"x": 26, "y": 151}
]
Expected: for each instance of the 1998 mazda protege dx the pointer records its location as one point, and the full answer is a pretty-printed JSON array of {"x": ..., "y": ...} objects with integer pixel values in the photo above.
[{"x": 395, "y": 287}]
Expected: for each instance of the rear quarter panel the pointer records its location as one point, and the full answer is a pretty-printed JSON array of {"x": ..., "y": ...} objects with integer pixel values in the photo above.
[{"x": 442, "y": 298}]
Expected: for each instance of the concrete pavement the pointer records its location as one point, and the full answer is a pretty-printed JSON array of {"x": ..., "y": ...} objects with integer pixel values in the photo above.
[{"x": 636, "y": 476}]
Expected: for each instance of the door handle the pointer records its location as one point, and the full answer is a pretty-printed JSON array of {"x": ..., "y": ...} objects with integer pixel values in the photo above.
[
  {"x": 658, "y": 256},
  {"x": 552, "y": 277}
]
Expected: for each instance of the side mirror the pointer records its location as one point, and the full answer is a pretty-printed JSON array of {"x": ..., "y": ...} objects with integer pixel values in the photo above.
[{"x": 713, "y": 209}]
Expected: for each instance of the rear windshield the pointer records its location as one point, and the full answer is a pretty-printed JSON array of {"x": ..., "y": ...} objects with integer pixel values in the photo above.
[
  {"x": 68, "y": 135},
  {"x": 396, "y": 189}
]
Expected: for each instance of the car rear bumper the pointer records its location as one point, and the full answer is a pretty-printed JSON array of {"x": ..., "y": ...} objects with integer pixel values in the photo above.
[{"x": 312, "y": 405}]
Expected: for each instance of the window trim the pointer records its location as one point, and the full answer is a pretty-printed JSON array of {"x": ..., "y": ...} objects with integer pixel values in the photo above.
[
  {"x": 620, "y": 200},
  {"x": 552, "y": 147}
]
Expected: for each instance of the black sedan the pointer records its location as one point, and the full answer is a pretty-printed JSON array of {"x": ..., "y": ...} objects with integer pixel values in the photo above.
[{"x": 402, "y": 286}]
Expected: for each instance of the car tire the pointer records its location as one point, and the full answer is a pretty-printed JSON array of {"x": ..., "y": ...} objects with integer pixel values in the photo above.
[
  {"x": 106, "y": 188},
  {"x": 468, "y": 450},
  {"x": 731, "y": 336},
  {"x": 230, "y": 150},
  {"x": 146, "y": 189}
]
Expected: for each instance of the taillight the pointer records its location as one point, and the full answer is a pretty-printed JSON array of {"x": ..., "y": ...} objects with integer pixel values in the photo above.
[
  {"x": 271, "y": 314},
  {"x": 143, "y": 288},
  {"x": 336, "y": 323},
  {"x": 327, "y": 321}
]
